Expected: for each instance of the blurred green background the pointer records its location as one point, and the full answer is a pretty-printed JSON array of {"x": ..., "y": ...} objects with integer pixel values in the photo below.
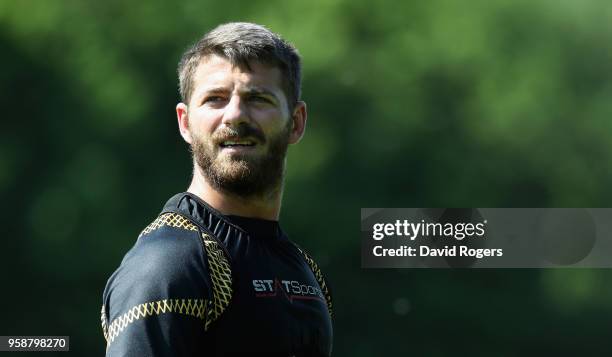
[{"x": 411, "y": 104}]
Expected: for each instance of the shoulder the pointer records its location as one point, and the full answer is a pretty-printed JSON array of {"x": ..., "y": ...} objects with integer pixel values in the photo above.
[
  {"x": 318, "y": 275},
  {"x": 169, "y": 248},
  {"x": 167, "y": 262}
]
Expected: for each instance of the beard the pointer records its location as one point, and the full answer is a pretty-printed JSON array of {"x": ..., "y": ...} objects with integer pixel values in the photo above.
[{"x": 243, "y": 174}]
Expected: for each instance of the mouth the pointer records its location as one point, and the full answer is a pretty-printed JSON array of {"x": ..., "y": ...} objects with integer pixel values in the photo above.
[{"x": 237, "y": 143}]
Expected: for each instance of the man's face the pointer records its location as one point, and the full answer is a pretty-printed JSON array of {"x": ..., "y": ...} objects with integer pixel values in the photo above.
[{"x": 239, "y": 125}]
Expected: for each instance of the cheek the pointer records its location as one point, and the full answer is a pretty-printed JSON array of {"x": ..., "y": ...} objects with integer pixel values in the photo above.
[
  {"x": 268, "y": 113},
  {"x": 202, "y": 138},
  {"x": 271, "y": 121},
  {"x": 200, "y": 126}
]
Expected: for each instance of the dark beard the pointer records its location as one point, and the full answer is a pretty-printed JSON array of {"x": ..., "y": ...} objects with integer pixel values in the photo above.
[{"x": 243, "y": 175}]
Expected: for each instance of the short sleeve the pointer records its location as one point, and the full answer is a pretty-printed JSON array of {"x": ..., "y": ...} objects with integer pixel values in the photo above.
[{"x": 154, "y": 303}]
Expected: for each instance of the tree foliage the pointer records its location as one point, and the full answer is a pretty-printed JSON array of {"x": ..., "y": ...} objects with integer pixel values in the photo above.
[{"x": 411, "y": 104}]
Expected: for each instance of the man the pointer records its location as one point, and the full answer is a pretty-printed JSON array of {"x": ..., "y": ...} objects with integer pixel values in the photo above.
[{"x": 214, "y": 274}]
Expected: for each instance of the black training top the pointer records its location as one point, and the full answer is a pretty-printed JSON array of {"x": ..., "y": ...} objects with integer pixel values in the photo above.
[{"x": 158, "y": 301}]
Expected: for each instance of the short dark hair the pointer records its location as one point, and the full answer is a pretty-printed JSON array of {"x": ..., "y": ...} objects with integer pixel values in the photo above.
[{"x": 241, "y": 43}]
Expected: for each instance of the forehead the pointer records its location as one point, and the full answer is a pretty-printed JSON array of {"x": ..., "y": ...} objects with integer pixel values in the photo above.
[{"x": 216, "y": 71}]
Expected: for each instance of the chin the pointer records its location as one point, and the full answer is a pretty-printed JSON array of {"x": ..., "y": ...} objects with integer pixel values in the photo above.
[{"x": 234, "y": 169}]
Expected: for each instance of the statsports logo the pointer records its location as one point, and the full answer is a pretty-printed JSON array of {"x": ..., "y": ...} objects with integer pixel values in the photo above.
[{"x": 291, "y": 289}]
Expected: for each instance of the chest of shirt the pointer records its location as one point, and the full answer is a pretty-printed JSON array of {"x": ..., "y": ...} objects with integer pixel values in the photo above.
[{"x": 277, "y": 302}]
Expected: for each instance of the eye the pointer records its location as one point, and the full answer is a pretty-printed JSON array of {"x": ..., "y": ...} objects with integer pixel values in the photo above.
[
  {"x": 213, "y": 100},
  {"x": 260, "y": 99}
]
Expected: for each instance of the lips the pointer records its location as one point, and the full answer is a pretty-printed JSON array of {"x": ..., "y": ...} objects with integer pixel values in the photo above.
[
  {"x": 237, "y": 143},
  {"x": 243, "y": 136}
]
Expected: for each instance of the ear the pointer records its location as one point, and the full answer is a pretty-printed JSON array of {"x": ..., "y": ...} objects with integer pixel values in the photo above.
[
  {"x": 299, "y": 122},
  {"x": 182, "y": 114}
]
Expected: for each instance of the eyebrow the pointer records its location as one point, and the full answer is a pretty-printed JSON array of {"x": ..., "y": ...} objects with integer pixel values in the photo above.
[
  {"x": 213, "y": 90},
  {"x": 258, "y": 90},
  {"x": 249, "y": 90}
]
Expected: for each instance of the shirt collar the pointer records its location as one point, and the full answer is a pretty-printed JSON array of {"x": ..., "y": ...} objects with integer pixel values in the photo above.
[{"x": 222, "y": 226}]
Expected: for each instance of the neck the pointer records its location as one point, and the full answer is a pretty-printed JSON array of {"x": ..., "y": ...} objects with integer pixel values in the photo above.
[{"x": 266, "y": 206}]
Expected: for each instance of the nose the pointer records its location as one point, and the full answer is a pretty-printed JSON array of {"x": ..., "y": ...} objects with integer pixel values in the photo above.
[{"x": 235, "y": 112}]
